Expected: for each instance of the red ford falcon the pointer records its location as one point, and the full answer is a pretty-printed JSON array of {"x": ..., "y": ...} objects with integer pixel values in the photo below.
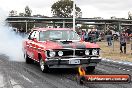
[{"x": 59, "y": 48}]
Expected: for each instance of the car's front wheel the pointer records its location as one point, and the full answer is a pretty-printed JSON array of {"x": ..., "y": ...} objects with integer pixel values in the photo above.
[{"x": 44, "y": 68}]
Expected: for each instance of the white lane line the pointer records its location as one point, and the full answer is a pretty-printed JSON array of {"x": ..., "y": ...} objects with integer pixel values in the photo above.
[
  {"x": 103, "y": 70},
  {"x": 114, "y": 61},
  {"x": 120, "y": 62},
  {"x": 128, "y": 70},
  {"x": 119, "y": 68},
  {"x": 108, "y": 60},
  {"x": 123, "y": 69},
  {"x": 26, "y": 78}
]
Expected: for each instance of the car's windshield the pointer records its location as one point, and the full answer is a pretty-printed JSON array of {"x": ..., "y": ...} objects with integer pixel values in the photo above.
[{"x": 59, "y": 35}]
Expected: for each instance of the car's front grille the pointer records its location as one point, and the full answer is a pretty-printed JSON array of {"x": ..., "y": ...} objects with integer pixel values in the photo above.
[
  {"x": 79, "y": 52},
  {"x": 67, "y": 52},
  {"x": 74, "y": 52}
]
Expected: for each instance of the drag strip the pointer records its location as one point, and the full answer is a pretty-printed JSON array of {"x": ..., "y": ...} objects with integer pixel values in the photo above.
[
  {"x": 22, "y": 75},
  {"x": 30, "y": 76},
  {"x": 126, "y": 66}
]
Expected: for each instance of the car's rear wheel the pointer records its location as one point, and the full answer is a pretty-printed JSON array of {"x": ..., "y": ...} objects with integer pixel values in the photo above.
[
  {"x": 90, "y": 68},
  {"x": 44, "y": 68},
  {"x": 27, "y": 59}
]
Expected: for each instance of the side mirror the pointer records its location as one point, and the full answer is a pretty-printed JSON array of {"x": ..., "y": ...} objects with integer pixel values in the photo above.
[{"x": 34, "y": 39}]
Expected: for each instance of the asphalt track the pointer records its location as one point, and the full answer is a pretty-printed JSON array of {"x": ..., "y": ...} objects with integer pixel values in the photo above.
[{"x": 21, "y": 75}]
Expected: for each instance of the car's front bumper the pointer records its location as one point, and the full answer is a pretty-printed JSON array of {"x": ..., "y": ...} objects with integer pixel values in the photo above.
[{"x": 65, "y": 63}]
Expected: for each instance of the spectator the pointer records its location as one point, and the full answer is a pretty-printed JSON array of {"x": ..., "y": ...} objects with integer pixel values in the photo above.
[
  {"x": 85, "y": 35},
  {"x": 102, "y": 35},
  {"x": 90, "y": 37},
  {"x": 123, "y": 40},
  {"x": 109, "y": 37},
  {"x": 128, "y": 33},
  {"x": 82, "y": 35},
  {"x": 93, "y": 35}
]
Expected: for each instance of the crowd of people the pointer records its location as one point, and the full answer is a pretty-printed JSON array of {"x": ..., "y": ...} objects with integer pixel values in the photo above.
[
  {"x": 90, "y": 36},
  {"x": 124, "y": 38}
]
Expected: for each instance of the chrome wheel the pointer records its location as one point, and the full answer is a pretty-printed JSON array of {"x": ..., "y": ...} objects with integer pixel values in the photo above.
[
  {"x": 42, "y": 65},
  {"x": 44, "y": 68}
]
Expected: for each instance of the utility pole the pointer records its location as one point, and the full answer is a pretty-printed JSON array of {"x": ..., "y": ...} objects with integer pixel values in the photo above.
[
  {"x": 26, "y": 27},
  {"x": 74, "y": 14}
]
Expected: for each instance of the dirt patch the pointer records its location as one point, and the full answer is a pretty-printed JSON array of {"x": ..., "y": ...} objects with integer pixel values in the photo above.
[{"x": 113, "y": 52}]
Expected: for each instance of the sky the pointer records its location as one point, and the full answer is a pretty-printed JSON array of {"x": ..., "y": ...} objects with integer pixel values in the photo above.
[{"x": 90, "y": 8}]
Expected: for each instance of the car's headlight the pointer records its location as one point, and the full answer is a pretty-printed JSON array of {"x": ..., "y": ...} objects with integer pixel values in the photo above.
[
  {"x": 94, "y": 52},
  {"x": 60, "y": 53},
  {"x": 51, "y": 53},
  {"x": 87, "y": 52}
]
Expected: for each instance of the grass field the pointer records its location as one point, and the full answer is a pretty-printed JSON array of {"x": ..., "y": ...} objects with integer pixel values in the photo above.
[{"x": 114, "y": 53}]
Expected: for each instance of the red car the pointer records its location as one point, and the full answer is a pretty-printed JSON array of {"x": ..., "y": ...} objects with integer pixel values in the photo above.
[{"x": 60, "y": 48}]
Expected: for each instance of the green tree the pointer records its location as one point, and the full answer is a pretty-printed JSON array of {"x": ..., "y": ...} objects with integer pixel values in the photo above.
[
  {"x": 28, "y": 11},
  {"x": 22, "y": 14},
  {"x": 22, "y": 26},
  {"x": 64, "y": 8},
  {"x": 13, "y": 13}
]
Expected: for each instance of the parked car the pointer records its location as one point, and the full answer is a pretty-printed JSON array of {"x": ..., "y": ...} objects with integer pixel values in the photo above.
[
  {"x": 115, "y": 35},
  {"x": 59, "y": 48}
]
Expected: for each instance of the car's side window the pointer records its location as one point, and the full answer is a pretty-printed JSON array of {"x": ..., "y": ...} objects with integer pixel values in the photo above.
[
  {"x": 41, "y": 36},
  {"x": 32, "y": 35},
  {"x": 37, "y": 35}
]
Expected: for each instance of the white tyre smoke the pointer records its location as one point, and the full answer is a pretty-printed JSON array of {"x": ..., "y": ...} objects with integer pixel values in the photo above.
[{"x": 10, "y": 42}]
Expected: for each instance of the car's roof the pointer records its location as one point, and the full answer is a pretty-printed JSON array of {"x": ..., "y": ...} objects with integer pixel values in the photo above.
[{"x": 45, "y": 29}]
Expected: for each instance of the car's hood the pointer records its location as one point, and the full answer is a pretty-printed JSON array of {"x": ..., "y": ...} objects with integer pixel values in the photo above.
[{"x": 68, "y": 44}]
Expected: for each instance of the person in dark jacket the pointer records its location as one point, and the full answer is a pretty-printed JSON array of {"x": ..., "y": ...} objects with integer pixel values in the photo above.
[
  {"x": 123, "y": 40},
  {"x": 108, "y": 34},
  {"x": 85, "y": 36}
]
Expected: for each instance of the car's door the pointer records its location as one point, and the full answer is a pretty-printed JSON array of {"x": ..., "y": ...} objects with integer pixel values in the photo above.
[
  {"x": 35, "y": 45},
  {"x": 29, "y": 44}
]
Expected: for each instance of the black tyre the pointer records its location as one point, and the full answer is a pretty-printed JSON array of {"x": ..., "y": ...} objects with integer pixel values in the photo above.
[
  {"x": 44, "y": 68},
  {"x": 90, "y": 68},
  {"x": 27, "y": 59},
  {"x": 82, "y": 80}
]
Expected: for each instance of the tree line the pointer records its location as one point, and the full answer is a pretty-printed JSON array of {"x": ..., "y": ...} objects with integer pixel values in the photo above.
[{"x": 61, "y": 8}]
